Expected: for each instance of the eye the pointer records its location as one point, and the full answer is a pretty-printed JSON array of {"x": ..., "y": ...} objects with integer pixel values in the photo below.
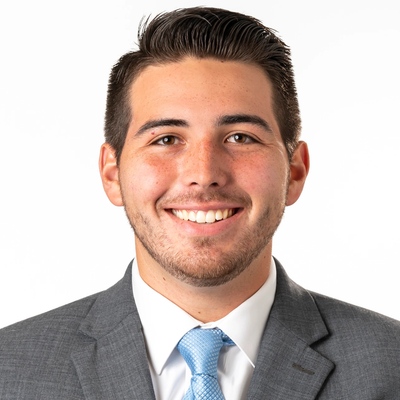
[
  {"x": 240, "y": 138},
  {"x": 167, "y": 140}
]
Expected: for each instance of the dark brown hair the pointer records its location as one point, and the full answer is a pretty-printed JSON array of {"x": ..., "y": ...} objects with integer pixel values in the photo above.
[{"x": 204, "y": 32}]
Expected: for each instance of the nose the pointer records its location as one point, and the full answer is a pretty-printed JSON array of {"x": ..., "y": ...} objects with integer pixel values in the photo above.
[{"x": 205, "y": 165}]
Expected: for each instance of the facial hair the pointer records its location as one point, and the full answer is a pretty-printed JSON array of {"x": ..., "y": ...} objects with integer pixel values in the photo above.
[{"x": 202, "y": 266}]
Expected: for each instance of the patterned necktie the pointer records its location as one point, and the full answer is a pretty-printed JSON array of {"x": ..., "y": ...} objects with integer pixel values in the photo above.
[{"x": 200, "y": 348}]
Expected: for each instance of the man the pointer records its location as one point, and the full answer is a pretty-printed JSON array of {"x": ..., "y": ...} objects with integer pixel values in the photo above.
[{"x": 203, "y": 151}]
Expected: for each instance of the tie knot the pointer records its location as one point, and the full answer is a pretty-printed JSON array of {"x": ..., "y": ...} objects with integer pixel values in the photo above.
[{"x": 201, "y": 347}]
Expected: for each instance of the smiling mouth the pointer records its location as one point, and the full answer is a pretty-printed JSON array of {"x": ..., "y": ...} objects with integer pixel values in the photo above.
[{"x": 204, "y": 217}]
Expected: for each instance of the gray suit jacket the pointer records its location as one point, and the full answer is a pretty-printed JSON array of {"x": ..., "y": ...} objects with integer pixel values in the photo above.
[{"x": 313, "y": 347}]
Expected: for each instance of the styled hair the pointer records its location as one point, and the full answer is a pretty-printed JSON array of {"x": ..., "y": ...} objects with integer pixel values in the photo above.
[{"x": 204, "y": 32}]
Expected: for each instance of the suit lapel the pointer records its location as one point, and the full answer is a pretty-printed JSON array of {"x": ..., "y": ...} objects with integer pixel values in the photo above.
[
  {"x": 287, "y": 367},
  {"x": 111, "y": 362}
]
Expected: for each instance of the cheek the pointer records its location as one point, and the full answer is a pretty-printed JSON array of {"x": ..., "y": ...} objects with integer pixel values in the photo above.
[
  {"x": 263, "y": 180},
  {"x": 146, "y": 179}
]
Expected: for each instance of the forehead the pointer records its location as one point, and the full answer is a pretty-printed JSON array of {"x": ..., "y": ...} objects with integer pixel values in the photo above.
[
  {"x": 201, "y": 87},
  {"x": 191, "y": 70}
]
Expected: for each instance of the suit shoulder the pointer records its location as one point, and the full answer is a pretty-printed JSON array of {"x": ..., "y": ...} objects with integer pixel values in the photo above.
[
  {"x": 59, "y": 321},
  {"x": 358, "y": 336},
  {"x": 336, "y": 312},
  {"x": 364, "y": 347},
  {"x": 35, "y": 353}
]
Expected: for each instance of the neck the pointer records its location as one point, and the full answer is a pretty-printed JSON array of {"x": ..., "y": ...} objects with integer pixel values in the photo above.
[{"x": 206, "y": 304}]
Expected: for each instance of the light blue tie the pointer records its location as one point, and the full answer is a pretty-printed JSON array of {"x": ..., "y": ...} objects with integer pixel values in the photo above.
[{"x": 200, "y": 348}]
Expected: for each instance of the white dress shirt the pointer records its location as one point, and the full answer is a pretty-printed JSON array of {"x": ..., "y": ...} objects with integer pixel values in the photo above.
[{"x": 164, "y": 324}]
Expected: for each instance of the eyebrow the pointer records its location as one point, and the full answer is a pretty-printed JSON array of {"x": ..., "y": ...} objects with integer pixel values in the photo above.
[
  {"x": 221, "y": 121},
  {"x": 158, "y": 123},
  {"x": 244, "y": 118}
]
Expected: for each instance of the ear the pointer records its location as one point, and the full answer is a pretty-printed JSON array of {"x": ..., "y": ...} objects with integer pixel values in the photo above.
[
  {"x": 109, "y": 173},
  {"x": 299, "y": 167}
]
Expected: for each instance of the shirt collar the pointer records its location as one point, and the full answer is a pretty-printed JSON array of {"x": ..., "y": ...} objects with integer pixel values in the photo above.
[
  {"x": 159, "y": 315},
  {"x": 252, "y": 314}
]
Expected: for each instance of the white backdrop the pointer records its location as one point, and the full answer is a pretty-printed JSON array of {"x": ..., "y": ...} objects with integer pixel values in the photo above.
[{"x": 60, "y": 238}]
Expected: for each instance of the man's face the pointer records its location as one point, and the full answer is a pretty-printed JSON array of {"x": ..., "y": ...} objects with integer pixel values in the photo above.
[{"x": 204, "y": 175}]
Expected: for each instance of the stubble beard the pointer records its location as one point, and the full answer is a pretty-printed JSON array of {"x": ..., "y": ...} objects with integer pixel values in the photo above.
[{"x": 203, "y": 266}]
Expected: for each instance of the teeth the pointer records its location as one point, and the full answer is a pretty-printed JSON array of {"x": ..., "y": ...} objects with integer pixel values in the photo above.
[
  {"x": 192, "y": 216},
  {"x": 202, "y": 217},
  {"x": 210, "y": 216}
]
